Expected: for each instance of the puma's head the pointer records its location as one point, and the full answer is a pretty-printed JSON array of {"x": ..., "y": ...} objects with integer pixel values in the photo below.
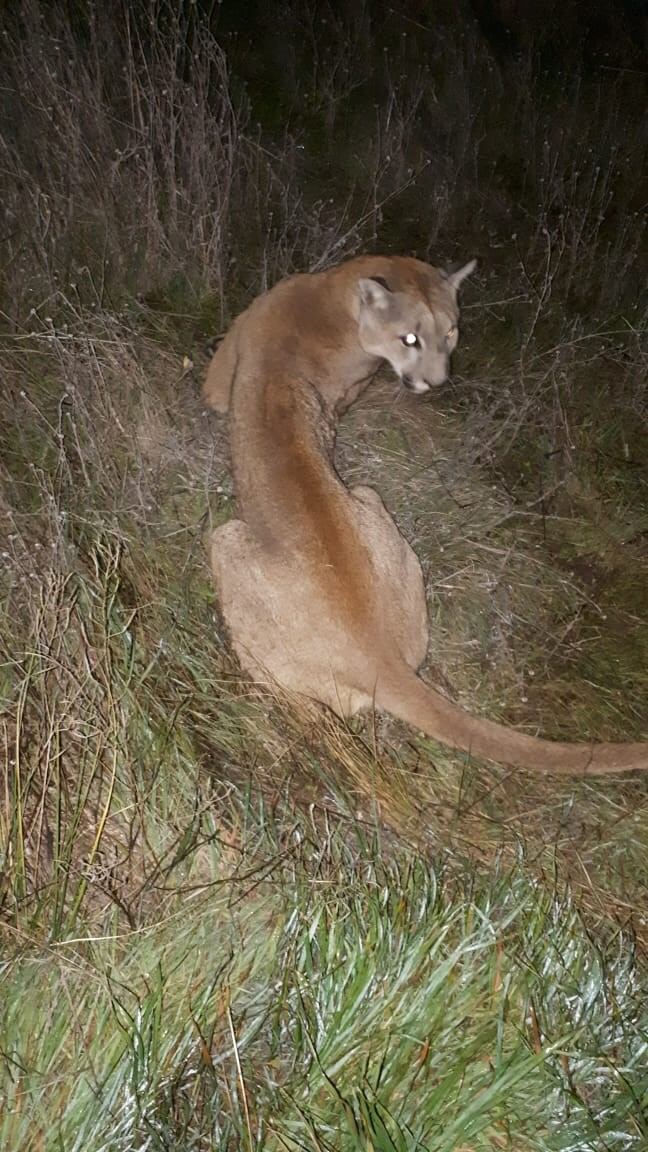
[{"x": 403, "y": 329}]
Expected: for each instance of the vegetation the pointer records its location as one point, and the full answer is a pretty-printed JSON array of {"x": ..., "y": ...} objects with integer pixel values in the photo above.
[{"x": 226, "y": 920}]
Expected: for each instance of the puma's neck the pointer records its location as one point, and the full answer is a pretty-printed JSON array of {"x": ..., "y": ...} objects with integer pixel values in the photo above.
[{"x": 308, "y": 327}]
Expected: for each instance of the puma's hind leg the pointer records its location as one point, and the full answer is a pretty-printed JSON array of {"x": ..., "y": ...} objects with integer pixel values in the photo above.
[
  {"x": 240, "y": 585},
  {"x": 280, "y": 634},
  {"x": 400, "y": 577}
]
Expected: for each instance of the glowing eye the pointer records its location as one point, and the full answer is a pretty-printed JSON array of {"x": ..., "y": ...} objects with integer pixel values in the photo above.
[{"x": 410, "y": 339}]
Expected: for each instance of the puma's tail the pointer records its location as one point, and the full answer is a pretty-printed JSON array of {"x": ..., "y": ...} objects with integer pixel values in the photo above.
[{"x": 409, "y": 698}]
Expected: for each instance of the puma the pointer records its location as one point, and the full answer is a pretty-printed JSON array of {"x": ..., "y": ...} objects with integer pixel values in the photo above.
[{"x": 319, "y": 591}]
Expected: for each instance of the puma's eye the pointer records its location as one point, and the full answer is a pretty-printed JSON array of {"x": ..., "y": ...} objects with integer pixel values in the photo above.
[
  {"x": 410, "y": 339},
  {"x": 451, "y": 333}
]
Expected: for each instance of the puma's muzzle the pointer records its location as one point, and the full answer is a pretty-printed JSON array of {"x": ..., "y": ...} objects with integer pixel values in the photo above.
[{"x": 421, "y": 384}]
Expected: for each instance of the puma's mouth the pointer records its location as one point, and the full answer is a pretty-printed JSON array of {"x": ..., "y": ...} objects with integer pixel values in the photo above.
[{"x": 416, "y": 386}]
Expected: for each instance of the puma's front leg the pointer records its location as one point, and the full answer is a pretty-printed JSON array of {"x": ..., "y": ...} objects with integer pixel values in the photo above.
[{"x": 217, "y": 388}]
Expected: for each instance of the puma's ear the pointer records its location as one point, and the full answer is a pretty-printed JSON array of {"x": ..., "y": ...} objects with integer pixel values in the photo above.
[
  {"x": 374, "y": 293},
  {"x": 456, "y": 279}
]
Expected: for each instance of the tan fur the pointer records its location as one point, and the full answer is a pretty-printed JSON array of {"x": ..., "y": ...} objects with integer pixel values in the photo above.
[{"x": 320, "y": 592}]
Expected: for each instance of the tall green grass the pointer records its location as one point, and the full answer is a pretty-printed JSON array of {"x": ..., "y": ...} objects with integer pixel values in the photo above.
[{"x": 315, "y": 995}]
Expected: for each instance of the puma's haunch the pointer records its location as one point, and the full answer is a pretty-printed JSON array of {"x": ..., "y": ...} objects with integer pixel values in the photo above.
[{"x": 320, "y": 592}]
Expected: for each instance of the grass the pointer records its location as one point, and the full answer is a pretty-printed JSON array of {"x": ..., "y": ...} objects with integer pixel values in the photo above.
[
  {"x": 227, "y": 920},
  {"x": 311, "y": 994}
]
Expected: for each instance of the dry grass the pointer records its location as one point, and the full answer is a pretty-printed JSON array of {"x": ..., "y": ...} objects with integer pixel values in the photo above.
[{"x": 114, "y": 644}]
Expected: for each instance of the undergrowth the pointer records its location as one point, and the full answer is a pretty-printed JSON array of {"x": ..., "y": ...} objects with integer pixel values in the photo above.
[{"x": 227, "y": 920}]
